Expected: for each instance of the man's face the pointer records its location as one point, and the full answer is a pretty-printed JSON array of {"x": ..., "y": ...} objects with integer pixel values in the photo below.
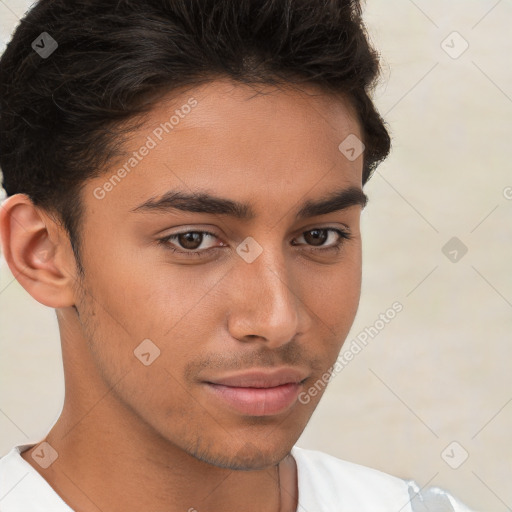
[{"x": 264, "y": 293}]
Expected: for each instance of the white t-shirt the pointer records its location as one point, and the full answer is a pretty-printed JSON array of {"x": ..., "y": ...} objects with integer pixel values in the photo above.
[{"x": 325, "y": 483}]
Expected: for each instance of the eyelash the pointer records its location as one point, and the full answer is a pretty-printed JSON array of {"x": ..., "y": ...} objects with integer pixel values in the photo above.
[{"x": 344, "y": 236}]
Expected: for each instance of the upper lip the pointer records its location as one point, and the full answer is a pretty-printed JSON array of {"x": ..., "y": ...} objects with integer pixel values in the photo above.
[{"x": 261, "y": 378}]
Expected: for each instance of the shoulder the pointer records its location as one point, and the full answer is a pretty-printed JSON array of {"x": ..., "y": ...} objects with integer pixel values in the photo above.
[
  {"x": 327, "y": 484},
  {"x": 333, "y": 484},
  {"x": 22, "y": 488},
  {"x": 433, "y": 498}
]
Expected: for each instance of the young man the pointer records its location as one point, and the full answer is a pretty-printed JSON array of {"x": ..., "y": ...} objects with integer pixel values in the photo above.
[{"x": 184, "y": 182}]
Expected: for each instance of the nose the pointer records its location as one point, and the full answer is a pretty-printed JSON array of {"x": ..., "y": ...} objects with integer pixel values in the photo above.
[{"x": 265, "y": 302}]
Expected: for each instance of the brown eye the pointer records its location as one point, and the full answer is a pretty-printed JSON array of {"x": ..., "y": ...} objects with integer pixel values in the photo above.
[
  {"x": 316, "y": 236},
  {"x": 325, "y": 239},
  {"x": 191, "y": 240}
]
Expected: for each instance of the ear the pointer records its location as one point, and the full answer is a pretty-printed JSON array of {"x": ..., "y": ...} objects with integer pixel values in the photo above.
[{"x": 38, "y": 252}]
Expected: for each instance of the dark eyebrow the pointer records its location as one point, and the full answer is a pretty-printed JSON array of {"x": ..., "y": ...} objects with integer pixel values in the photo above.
[
  {"x": 338, "y": 200},
  {"x": 200, "y": 202}
]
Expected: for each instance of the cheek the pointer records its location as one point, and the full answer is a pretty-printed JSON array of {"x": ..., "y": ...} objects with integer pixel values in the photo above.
[
  {"x": 133, "y": 309},
  {"x": 333, "y": 292},
  {"x": 332, "y": 296},
  {"x": 154, "y": 313},
  {"x": 142, "y": 294}
]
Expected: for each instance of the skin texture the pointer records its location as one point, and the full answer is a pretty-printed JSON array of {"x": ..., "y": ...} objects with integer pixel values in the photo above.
[{"x": 133, "y": 437}]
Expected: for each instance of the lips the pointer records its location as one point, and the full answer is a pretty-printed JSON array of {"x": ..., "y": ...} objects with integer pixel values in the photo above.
[
  {"x": 258, "y": 392},
  {"x": 261, "y": 378}
]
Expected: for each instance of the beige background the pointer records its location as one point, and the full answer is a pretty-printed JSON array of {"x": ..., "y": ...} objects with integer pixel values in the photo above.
[{"x": 440, "y": 371}]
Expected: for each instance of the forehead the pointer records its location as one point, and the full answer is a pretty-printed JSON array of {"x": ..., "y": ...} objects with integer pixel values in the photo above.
[
  {"x": 284, "y": 108},
  {"x": 233, "y": 139}
]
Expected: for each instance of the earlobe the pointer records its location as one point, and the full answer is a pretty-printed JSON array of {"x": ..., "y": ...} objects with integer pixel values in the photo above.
[{"x": 37, "y": 252}]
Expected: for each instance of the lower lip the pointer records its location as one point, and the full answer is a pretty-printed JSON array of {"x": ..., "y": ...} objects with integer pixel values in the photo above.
[{"x": 258, "y": 401}]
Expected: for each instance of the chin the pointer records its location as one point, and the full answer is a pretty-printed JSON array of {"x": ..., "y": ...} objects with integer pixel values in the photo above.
[{"x": 249, "y": 456}]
